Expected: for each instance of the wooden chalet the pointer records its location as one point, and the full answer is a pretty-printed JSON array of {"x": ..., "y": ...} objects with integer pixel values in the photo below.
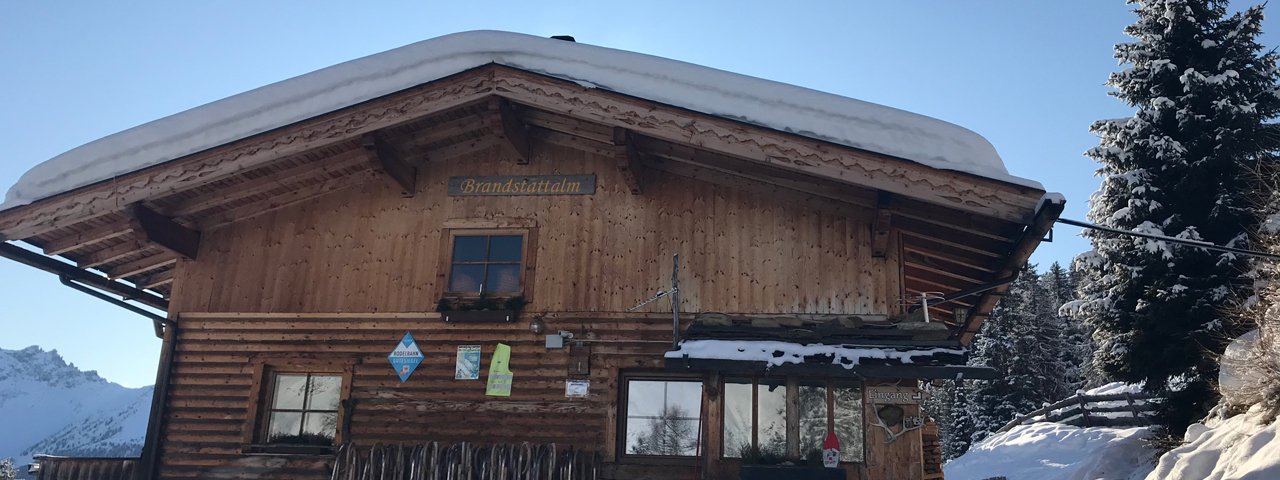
[{"x": 531, "y": 196}]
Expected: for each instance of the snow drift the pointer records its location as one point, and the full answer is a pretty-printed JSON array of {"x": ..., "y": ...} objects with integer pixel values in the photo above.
[
  {"x": 1049, "y": 451},
  {"x": 1243, "y": 447}
]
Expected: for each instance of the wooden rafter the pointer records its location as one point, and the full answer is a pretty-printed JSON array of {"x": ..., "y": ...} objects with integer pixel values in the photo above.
[
  {"x": 265, "y": 183},
  {"x": 110, "y": 254},
  {"x": 627, "y": 158},
  {"x": 157, "y": 280},
  {"x": 142, "y": 265},
  {"x": 946, "y": 256},
  {"x": 88, "y": 237},
  {"x": 165, "y": 232},
  {"x": 390, "y": 162},
  {"x": 507, "y": 125},
  {"x": 292, "y": 197}
]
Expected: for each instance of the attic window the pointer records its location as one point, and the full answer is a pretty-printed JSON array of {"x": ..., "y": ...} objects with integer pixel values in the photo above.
[{"x": 486, "y": 264}]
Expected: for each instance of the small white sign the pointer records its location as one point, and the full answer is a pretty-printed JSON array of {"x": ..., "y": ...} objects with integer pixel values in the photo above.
[{"x": 576, "y": 388}]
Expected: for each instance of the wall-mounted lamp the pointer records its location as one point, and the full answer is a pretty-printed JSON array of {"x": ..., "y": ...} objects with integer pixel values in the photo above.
[{"x": 537, "y": 326}]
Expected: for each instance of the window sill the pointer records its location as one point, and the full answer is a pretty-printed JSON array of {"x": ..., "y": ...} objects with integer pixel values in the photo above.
[
  {"x": 281, "y": 449},
  {"x": 657, "y": 460}
]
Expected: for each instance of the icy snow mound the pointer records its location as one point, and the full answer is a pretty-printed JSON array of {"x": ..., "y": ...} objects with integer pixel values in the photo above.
[
  {"x": 766, "y": 103},
  {"x": 1237, "y": 448},
  {"x": 1050, "y": 451},
  {"x": 1242, "y": 377}
]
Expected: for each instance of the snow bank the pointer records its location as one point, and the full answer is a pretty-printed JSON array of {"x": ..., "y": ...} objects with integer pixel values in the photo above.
[
  {"x": 1050, "y": 451},
  {"x": 777, "y": 353},
  {"x": 766, "y": 103},
  {"x": 1237, "y": 448},
  {"x": 1115, "y": 388}
]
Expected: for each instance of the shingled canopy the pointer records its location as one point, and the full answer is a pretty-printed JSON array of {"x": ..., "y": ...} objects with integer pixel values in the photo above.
[{"x": 125, "y": 209}]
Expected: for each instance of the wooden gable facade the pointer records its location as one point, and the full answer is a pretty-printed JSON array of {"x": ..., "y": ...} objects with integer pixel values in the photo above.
[{"x": 314, "y": 248}]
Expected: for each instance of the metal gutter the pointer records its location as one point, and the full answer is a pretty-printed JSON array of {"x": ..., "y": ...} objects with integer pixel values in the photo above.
[{"x": 83, "y": 277}]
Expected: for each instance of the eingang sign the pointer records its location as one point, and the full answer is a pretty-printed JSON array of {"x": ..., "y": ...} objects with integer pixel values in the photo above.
[{"x": 523, "y": 185}]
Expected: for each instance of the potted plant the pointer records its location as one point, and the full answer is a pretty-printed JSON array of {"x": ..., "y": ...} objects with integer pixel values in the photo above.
[
  {"x": 481, "y": 309},
  {"x": 769, "y": 465}
]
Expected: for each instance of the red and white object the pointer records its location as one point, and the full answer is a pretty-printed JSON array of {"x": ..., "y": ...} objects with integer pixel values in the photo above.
[{"x": 831, "y": 451}]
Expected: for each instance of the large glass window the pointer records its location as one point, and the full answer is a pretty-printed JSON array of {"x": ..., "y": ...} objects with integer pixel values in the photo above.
[
  {"x": 486, "y": 264},
  {"x": 304, "y": 409},
  {"x": 755, "y": 414},
  {"x": 663, "y": 417}
]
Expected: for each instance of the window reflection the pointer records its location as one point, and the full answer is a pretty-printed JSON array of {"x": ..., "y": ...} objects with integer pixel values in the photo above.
[{"x": 663, "y": 417}]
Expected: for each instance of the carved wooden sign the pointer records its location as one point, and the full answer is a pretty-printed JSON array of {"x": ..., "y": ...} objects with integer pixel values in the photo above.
[
  {"x": 523, "y": 185},
  {"x": 894, "y": 395}
]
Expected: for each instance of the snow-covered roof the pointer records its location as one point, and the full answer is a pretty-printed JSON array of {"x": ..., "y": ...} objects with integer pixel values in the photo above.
[
  {"x": 775, "y": 353},
  {"x": 799, "y": 110}
]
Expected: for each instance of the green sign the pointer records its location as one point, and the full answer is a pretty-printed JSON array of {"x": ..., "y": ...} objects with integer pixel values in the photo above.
[{"x": 523, "y": 185}]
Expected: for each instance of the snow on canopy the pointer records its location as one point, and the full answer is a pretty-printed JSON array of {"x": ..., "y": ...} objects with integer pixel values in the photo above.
[{"x": 775, "y": 105}]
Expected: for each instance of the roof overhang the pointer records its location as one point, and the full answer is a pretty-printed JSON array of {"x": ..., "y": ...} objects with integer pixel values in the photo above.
[{"x": 958, "y": 229}]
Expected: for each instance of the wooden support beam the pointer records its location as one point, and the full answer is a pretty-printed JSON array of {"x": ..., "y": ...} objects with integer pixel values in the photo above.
[
  {"x": 157, "y": 280},
  {"x": 627, "y": 158},
  {"x": 142, "y": 265},
  {"x": 880, "y": 228},
  {"x": 83, "y": 239},
  {"x": 163, "y": 231},
  {"x": 109, "y": 254},
  {"x": 508, "y": 126},
  {"x": 386, "y": 159}
]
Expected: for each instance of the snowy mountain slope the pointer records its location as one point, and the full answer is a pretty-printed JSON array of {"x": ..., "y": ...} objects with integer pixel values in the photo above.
[{"x": 48, "y": 406}]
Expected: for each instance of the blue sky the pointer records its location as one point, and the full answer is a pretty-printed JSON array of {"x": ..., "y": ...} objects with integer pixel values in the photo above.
[{"x": 1029, "y": 76}]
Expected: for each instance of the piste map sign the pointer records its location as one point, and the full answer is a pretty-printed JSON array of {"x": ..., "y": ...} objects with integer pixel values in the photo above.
[{"x": 406, "y": 357}]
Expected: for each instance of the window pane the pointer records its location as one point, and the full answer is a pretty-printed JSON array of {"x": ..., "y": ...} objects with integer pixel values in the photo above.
[
  {"x": 469, "y": 249},
  {"x": 503, "y": 279},
  {"x": 284, "y": 427},
  {"x": 290, "y": 391},
  {"x": 662, "y": 417},
  {"x": 737, "y": 418},
  {"x": 324, "y": 392},
  {"x": 321, "y": 424},
  {"x": 812, "y": 403},
  {"x": 505, "y": 248},
  {"x": 771, "y": 431},
  {"x": 466, "y": 278},
  {"x": 848, "y": 423}
]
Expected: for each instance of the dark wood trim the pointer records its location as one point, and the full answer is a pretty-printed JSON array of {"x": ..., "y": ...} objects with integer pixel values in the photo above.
[
  {"x": 165, "y": 232},
  {"x": 390, "y": 162},
  {"x": 628, "y": 159},
  {"x": 508, "y": 126}
]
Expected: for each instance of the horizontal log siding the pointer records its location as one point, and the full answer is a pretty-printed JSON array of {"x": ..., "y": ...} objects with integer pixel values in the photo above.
[
  {"x": 211, "y": 387},
  {"x": 367, "y": 249}
]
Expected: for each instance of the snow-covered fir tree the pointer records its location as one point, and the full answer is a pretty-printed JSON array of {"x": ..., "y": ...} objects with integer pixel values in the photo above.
[
  {"x": 1074, "y": 345},
  {"x": 7, "y": 470},
  {"x": 1038, "y": 354},
  {"x": 1202, "y": 89},
  {"x": 1011, "y": 342}
]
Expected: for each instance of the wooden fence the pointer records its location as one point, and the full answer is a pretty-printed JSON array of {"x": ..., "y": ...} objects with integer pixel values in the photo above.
[
  {"x": 1110, "y": 410},
  {"x": 85, "y": 468}
]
